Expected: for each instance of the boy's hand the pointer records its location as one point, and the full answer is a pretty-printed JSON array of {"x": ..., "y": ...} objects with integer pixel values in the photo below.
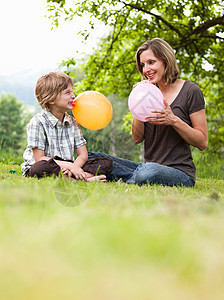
[
  {"x": 77, "y": 172},
  {"x": 70, "y": 169}
]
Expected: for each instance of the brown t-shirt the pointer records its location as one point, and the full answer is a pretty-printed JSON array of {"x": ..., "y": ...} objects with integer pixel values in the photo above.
[{"x": 163, "y": 144}]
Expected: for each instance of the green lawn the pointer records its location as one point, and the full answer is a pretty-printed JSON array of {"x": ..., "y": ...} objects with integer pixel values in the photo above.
[{"x": 66, "y": 240}]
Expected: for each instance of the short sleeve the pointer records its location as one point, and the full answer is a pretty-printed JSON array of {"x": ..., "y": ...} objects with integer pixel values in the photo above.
[
  {"x": 196, "y": 100},
  {"x": 79, "y": 139},
  {"x": 36, "y": 137}
]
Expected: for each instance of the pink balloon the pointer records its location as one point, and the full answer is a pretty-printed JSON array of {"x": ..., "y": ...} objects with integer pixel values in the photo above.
[{"x": 143, "y": 99}]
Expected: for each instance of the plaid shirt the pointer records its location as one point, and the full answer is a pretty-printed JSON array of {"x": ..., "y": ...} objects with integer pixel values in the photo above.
[{"x": 47, "y": 133}]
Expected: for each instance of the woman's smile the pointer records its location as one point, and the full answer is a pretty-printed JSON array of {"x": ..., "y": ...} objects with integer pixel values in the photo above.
[{"x": 152, "y": 67}]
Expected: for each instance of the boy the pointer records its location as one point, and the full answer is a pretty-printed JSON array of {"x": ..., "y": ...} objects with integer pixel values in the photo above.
[{"x": 53, "y": 135}]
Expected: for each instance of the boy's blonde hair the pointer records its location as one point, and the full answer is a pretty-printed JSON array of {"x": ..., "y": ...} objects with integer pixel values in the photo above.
[
  {"x": 49, "y": 86},
  {"x": 163, "y": 51}
]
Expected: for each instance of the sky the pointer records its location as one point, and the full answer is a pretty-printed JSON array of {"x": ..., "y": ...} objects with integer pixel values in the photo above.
[{"x": 29, "y": 42}]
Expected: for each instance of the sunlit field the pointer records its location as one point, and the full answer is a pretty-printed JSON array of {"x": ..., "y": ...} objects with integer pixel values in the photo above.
[{"x": 66, "y": 240}]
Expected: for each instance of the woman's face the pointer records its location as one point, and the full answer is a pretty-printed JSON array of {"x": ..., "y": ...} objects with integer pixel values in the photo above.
[{"x": 152, "y": 67}]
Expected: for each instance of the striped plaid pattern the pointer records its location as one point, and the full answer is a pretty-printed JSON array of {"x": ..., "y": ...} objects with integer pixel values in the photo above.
[{"x": 47, "y": 133}]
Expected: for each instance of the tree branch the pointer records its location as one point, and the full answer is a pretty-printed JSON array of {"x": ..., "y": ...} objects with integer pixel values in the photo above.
[
  {"x": 201, "y": 28},
  {"x": 212, "y": 36},
  {"x": 154, "y": 15},
  {"x": 186, "y": 41},
  {"x": 206, "y": 25}
]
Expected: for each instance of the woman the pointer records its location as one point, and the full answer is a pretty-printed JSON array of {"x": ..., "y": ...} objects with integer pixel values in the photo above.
[{"x": 168, "y": 135}]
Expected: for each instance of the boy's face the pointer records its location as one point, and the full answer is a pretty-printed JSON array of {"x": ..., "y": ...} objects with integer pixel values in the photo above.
[{"x": 64, "y": 100}]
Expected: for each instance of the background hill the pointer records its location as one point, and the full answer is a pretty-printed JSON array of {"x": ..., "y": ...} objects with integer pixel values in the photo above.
[{"x": 22, "y": 85}]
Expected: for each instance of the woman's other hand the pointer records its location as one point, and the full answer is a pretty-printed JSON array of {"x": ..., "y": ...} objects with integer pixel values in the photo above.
[{"x": 162, "y": 117}]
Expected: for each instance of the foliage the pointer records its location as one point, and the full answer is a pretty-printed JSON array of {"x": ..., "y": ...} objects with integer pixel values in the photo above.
[
  {"x": 194, "y": 29},
  {"x": 13, "y": 120},
  {"x": 95, "y": 240},
  {"x": 215, "y": 117},
  {"x": 11, "y": 157},
  {"x": 208, "y": 165}
]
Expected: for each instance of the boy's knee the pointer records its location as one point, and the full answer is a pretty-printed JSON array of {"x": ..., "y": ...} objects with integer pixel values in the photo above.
[{"x": 44, "y": 168}]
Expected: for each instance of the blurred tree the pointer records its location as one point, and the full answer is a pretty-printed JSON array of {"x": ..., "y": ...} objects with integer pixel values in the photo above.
[{"x": 13, "y": 120}]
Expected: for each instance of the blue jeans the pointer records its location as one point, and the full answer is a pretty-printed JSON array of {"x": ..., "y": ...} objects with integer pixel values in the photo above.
[
  {"x": 145, "y": 173},
  {"x": 122, "y": 168}
]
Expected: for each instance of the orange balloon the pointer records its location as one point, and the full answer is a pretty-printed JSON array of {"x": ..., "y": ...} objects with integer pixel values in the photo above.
[{"x": 92, "y": 110}]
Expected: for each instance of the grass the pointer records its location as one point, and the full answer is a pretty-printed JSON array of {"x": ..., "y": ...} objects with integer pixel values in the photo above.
[{"x": 63, "y": 240}]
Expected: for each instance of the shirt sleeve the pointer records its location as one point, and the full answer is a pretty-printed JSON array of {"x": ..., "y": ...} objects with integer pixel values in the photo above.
[
  {"x": 196, "y": 100},
  {"x": 79, "y": 140},
  {"x": 36, "y": 137}
]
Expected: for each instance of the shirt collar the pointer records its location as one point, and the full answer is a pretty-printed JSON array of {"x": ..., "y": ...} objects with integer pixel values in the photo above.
[
  {"x": 67, "y": 119},
  {"x": 54, "y": 121}
]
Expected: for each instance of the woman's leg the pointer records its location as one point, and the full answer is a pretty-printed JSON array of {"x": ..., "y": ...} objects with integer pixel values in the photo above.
[
  {"x": 155, "y": 173},
  {"x": 122, "y": 168}
]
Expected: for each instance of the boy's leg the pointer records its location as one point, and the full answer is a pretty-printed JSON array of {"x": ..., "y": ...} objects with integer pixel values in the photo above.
[
  {"x": 98, "y": 165},
  {"x": 44, "y": 168},
  {"x": 155, "y": 173},
  {"x": 122, "y": 168}
]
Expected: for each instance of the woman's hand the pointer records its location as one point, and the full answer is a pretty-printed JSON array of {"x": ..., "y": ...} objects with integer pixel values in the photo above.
[
  {"x": 163, "y": 117},
  {"x": 195, "y": 135}
]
